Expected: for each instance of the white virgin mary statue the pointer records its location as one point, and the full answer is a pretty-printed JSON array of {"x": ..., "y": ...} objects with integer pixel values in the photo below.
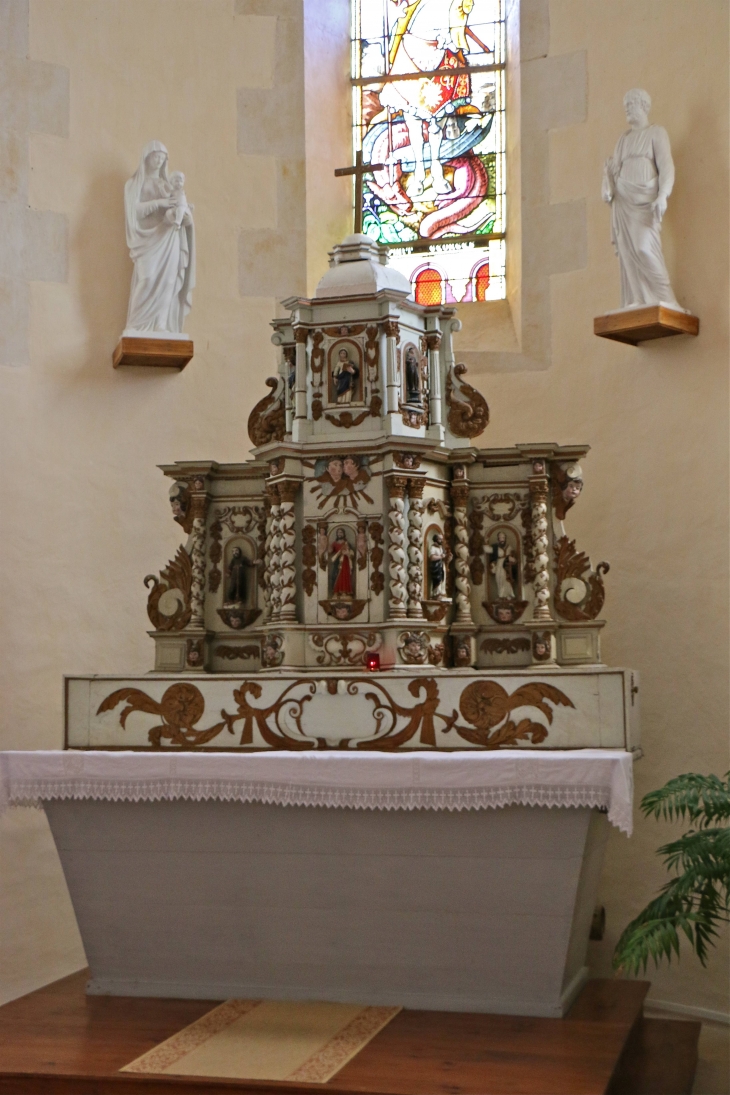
[
  {"x": 637, "y": 180},
  {"x": 162, "y": 250}
]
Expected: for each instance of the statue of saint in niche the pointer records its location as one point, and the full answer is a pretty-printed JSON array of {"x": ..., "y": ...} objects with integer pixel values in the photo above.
[
  {"x": 161, "y": 247},
  {"x": 237, "y": 578},
  {"x": 637, "y": 180},
  {"x": 345, "y": 377},
  {"x": 342, "y": 568},
  {"x": 413, "y": 376},
  {"x": 437, "y": 567},
  {"x": 503, "y": 568}
]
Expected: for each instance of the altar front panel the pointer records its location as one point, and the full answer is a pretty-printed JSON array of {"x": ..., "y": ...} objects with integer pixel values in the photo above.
[
  {"x": 471, "y": 910},
  {"x": 560, "y": 709}
]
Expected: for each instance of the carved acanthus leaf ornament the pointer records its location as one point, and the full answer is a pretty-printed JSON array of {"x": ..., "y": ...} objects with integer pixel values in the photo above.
[
  {"x": 579, "y": 591},
  {"x": 468, "y": 411},
  {"x": 177, "y": 576},
  {"x": 267, "y": 421}
]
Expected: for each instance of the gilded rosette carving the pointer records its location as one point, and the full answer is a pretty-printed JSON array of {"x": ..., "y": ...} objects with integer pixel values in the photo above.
[
  {"x": 377, "y": 578},
  {"x": 309, "y": 559}
]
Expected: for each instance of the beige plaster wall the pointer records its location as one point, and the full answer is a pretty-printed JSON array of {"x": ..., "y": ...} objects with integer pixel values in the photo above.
[{"x": 84, "y": 506}]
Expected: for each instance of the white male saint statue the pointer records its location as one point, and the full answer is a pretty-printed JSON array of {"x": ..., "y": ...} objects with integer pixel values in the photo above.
[
  {"x": 161, "y": 248},
  {"x": 637, "y": 180}
]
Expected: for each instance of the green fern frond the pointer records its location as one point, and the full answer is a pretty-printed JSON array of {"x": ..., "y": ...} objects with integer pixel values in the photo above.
[
  {"x": 700, "y": 798},
  {"x": 697, "y": 900}
]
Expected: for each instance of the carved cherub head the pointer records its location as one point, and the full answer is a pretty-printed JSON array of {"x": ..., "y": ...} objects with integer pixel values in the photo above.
[
  {"x": 350, "y": 466},
  {"x": 335, "y": 468}
]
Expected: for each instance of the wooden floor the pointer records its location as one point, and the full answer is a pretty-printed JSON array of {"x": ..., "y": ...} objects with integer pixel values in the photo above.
[{"x": 58, "y": 1040}]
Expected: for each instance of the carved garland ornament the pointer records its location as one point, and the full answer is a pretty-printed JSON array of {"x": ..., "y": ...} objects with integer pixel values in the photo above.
[{"x": 484, "y": 705}]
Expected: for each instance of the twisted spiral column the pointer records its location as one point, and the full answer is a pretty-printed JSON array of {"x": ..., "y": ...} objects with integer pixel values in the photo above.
[
  {"x": 198, "y": 511},
  {"x": 270, "y": 496},
  {"x": 460, "y": 496},
  {"x": 287, "y": 537},
  {"x": 541, "y": 560},
  {"x": 415, "y": 548},
  {"x": 274, "y": 563},
  {"x": 396, "y": 548}
]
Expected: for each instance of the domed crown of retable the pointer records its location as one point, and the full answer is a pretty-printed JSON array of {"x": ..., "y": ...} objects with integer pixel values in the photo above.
[{"x": 359, "y": 267}]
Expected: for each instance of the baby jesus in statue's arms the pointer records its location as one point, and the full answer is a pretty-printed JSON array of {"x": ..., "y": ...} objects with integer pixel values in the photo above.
[{"x": 176, "y": 214}]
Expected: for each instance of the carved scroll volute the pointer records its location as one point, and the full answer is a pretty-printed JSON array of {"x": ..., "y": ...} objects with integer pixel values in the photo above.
[
  {"x": 397, "y": 547},
  {"x": 460, "y": 497},
  {"x": 267, "y": 421},
  {"x": 468, "y": 411},
  {"x": 579, "y": 590}
]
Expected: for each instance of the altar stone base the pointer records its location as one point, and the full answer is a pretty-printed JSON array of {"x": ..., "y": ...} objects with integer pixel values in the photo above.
[{"x": 473, "y": 910}]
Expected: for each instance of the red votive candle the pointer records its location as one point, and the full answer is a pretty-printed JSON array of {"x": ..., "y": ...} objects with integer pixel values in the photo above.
[{"x": 372, "y": 661}]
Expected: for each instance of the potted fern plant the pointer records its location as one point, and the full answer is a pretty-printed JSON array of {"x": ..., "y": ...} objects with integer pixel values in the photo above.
[{"x": 696, "y": 900}]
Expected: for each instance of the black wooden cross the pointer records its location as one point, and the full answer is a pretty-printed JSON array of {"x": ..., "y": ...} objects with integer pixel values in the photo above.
[{"x": 359, "y": 170}]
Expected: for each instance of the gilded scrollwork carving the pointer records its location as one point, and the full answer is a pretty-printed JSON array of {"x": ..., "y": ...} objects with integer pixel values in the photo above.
[
  {"x": 174, "y": 584},
  {"x": 468, "y": 411},
  {"x": 336, "y": 648},
  {"x": 485, "y": 707},
  {"x": 180, "y": 708},
  {"x": 267, "y": 421},
  {"x": 579, "y": 590}
]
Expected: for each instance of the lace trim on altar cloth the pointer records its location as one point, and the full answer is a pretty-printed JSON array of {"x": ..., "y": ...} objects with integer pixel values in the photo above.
[{"x": 36, "y": 792}]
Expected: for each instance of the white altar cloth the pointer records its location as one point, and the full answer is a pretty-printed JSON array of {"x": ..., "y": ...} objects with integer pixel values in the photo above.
[{"x": 600, "y": 778}]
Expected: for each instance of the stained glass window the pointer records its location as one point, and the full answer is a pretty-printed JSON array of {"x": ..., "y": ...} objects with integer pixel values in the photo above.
[{"x": 428, "y": 105}]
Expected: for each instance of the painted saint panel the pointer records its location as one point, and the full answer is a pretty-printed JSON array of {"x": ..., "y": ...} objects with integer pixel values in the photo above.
[{"x": 428, "y": 81}]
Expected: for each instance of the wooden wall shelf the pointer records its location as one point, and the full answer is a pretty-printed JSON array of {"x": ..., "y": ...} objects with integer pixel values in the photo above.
[
  {"x": 635, "y": 325},
  {"x": 158, "y": 353}
]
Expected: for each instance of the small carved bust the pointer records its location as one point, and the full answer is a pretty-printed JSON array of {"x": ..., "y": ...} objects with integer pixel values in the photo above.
[{"x": 180, "y": 503}]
